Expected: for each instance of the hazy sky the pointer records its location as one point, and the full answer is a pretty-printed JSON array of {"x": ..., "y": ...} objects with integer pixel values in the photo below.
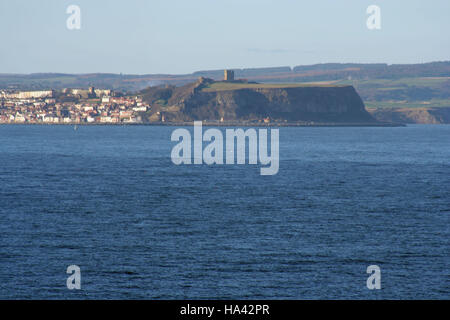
[{"x": 182, "y": 36}]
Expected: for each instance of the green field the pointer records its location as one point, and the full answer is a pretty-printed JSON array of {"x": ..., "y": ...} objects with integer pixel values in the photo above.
[
  {"x": 397, "y": 83},
  {"x": 408, "y": 104},
  {"x": 227, "y": 86},
  {"x": 414, "y": 92}
]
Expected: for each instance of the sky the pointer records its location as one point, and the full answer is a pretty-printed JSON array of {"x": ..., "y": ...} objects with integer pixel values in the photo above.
[{"x": 183, "y": 36}]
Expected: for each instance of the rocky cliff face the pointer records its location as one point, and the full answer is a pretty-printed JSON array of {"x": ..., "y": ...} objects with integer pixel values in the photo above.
[
  {"x": 412, "y": 115},
  {"x": 330, "y": 104},
  {"x": 293, "y": 104}
]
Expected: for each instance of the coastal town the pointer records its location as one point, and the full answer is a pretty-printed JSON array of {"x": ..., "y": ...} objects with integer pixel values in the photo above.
[{"x": 71, "y": 106}]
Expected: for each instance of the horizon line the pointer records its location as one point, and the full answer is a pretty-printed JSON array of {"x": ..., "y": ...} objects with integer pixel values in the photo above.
[{"x": 217, "y": 70}]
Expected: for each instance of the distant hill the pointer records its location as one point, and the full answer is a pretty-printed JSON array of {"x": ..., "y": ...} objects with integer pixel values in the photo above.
[{"x": 318, "y": 72}]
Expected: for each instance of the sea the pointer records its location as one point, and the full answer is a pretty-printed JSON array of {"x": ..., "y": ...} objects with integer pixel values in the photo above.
[{"x": 109, "y": 200}]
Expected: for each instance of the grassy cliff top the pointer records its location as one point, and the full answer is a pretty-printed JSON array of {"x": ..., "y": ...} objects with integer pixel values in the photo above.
[{"x": 226, "y": 86}]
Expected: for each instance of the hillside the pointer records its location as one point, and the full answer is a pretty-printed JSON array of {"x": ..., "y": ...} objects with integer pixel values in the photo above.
[
  {"x": 412, "y": 115},
  {"x": 310, "y": 73},
  {"x": 209, "y": 100}
]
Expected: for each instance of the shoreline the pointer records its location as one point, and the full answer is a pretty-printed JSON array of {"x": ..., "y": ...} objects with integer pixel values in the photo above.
[{"x": 223, "y": 124}]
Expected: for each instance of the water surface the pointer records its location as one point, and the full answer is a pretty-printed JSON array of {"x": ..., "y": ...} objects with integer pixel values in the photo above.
[{"x": 109, "y": 199}]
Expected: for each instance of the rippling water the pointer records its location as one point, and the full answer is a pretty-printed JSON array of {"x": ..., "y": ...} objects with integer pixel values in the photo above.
[{"x": 109, "y": 199}]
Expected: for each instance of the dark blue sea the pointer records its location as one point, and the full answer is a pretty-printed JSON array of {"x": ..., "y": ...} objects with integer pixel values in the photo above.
[{"x": 110, "y": 200}]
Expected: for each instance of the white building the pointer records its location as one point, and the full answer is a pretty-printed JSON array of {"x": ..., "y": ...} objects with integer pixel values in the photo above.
[
  {"x": 142, "y": 108},
  {"x": 33, "y": 94}
]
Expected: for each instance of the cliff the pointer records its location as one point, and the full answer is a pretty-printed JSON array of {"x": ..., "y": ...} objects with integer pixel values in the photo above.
[
  {"x": 210, "y": 100},
  {"x": 412, "y": 115}
]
